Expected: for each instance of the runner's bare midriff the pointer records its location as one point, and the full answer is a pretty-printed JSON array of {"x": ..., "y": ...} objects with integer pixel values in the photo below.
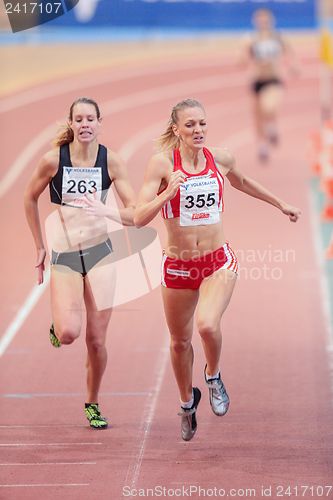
[
  {"x": 191, "y": 242},
  {"x": 265, "y": 70},
  {"x": 70, "y": 229}
]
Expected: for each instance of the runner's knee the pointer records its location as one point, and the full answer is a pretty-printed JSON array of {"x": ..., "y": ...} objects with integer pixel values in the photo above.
[
  {"x": 179, "y": 345},
  {"x": 67, "y": 335},
  {"x": 95, "y": 342},
  {"x": 207, "y": 328}
]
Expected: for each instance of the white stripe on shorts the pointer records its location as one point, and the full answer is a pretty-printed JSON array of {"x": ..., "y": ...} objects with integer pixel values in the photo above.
[
  {"x": 232, "y": 262},
  {"x": 164, "y": 258}
]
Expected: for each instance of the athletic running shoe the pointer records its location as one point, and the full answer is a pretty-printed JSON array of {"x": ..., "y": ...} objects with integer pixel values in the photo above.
[
  {"x": 93, "y": 414},
  {"x": 189, "y": 422},
  {"x": 218, "y": 397},
  {"x": 53, "y": 338}
]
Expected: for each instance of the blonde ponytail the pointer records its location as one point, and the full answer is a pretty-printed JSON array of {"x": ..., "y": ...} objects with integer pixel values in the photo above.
[
  {"x": 65, "y": 136},
  {"x": 168, "y": 140}
]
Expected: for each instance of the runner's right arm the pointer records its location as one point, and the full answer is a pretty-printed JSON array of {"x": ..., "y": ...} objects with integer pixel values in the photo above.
[
  {"x": 41, "y": 177},
  {"x": 149, "y": 204}
]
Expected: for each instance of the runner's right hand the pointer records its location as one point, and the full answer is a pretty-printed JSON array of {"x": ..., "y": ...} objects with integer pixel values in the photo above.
[
  {"x": 176, "y": 179},
  {"x": 41, "y": 254}
]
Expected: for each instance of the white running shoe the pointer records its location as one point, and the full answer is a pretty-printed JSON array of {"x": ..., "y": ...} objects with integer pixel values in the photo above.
[
  {"x": 188, "y": 424},
  {"x": 218, "y": 397}
]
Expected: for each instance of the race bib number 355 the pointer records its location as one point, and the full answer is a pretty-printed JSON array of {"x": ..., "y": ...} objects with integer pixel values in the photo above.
[
  {"x": 199, "y": 201},
  {"x": 79, "y": 182}
]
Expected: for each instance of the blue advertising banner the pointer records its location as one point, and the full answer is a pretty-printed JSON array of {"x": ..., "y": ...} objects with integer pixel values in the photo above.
[{"x": 186, "y": 14}]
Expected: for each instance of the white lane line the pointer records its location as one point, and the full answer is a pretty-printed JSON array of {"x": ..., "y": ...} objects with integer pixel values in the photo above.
[
  {"x": 28, "y": 395},
  {"x": 42, "y": 485},
  {"x": 82, "y": 81},
  {"x": 17, "y": 445},
  {"x": 32, "y": 426},
  {"x": 51, "y": 426},
  {"x": 26, "y": 156},
  {"x": 25, "y": 464},
  {"x": 183, "y": 89},
  {"x": 23, "y": 313},
  {"x": 134, "y": 468}
]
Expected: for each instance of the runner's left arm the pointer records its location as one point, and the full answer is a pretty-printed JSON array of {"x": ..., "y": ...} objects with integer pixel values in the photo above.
[{"x": 251, "y": 187}]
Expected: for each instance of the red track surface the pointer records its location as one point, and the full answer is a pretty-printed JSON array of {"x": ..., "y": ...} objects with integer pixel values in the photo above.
[{"x": 279, "y": 427}]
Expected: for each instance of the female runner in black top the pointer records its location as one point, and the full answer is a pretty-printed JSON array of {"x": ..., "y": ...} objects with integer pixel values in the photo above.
[{"x": 79, "y": 172}]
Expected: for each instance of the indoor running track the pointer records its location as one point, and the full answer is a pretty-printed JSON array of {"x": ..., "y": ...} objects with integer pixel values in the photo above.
[{"x": 276, "y": 342}]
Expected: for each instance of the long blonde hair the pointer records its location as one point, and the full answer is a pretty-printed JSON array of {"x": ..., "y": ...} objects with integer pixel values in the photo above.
[
  {"x": 168, "y": 140},
  {"x": 65, "y": 133}
]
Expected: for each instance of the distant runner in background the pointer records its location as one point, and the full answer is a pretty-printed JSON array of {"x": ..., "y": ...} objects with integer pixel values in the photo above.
[{"x": 265, "y": 50}]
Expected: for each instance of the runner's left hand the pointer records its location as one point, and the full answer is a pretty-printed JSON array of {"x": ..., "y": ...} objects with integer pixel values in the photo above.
[
  {"x": 292, "y": 212},
  {"x": 95, "y": 207}
]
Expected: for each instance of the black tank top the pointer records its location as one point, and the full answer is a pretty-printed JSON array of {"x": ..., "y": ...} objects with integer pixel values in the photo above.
[{"x": 70, "y": 184}]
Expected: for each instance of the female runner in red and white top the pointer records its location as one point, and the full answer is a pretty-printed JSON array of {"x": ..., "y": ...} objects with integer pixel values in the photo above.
[{"x": 185, "y": 181}]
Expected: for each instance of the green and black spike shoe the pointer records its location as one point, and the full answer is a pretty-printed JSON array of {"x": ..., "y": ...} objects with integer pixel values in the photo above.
[
  {"x": 53, "y": 338},
  {"x": 93, "y": 414}
]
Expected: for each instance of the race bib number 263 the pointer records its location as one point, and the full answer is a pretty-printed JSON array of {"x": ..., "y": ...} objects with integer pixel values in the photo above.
[{"x": 79, "y": 182}]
